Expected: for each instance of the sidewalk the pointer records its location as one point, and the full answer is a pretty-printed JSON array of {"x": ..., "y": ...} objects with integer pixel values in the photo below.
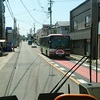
[
  {"x": 78, "y": 57},
  {"x": 5, "y": 58}
]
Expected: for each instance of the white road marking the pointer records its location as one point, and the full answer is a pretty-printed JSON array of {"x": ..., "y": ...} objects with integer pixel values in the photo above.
[
  {"x": 52, "y": 62},
  {"x": 87, "y": 65},
  {"x": 62, "y": 68},
  {"x": 72, "y": 74},
  {"x": 56, "y": 65},
  {"x": 81, "y": 81},
  {"x": 95, "y": 68}
]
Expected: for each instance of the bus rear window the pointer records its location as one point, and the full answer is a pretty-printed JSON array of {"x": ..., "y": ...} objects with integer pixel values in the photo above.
[{"x": 60, "y": 42}]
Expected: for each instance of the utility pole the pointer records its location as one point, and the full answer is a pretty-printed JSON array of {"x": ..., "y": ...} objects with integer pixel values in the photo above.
[
  {"x": 14, "y": 33},
  {"x": 50, "y": 11},
  {"x": 34, "y": 28},
  {"x": 94, "y": 36}
]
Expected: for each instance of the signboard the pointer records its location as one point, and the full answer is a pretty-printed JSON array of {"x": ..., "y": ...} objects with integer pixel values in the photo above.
[{"x": 9, "y": 29}]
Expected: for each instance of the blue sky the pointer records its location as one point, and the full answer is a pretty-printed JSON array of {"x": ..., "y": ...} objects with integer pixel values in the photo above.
[{"x": 38, "y": 13}]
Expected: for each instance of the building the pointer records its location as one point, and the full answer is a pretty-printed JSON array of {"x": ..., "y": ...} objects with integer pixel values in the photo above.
[
  {"x": 2, "y": 23},
  {"x": 9, "y": 34},
  {"x": 84, "y": 28},
  {"x": 39, "y": 33},
  {"x": 12, "y": 35},
  {"x": 62, "y": 27},
  {"x": 2, "y": 20},
  {"x": 44, "y": 31}
]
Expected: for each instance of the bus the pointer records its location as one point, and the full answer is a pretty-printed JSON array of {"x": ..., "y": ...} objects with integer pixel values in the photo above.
[{"x": 55, "y": 45}]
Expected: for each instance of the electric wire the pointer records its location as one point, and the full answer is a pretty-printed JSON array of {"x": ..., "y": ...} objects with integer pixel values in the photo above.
[
  {"x": 39, "y": 3},
  {"x": 42, "y": 11},
  {"x": 12, "y": 1},
  {"x": 30, "y": 13},
  {"x": 9, "y": 9},
  {"x": 45, "y": 20},
  {"x": 11, "y": 13}
]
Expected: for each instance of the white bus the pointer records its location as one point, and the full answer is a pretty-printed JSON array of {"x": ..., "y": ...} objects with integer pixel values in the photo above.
[{"x": 55, "y": 45}]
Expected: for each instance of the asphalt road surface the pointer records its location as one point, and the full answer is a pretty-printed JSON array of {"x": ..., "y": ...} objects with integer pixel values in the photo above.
[{"x": 27, "y": 74}]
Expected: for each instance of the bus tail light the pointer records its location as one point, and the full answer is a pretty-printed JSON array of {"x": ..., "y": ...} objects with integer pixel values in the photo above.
[{"x": 52, "y": 51}]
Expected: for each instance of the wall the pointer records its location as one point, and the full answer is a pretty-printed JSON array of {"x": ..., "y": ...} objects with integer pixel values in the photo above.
[
  {"x": 78, "y": 14},
  {"x": 2, "y": 20}
]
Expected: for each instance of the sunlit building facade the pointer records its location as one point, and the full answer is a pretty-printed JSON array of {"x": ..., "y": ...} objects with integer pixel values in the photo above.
[{"x": 83, "y": 23}]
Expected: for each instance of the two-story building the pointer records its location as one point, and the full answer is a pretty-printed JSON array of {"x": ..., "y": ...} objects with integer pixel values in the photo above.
[
  {"x": 62, "y": 27},
  {"x": 84, "y": 28}
]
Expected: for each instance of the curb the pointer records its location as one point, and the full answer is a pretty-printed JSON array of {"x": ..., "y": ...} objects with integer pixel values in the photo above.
[{"x": 78, "y": 57}]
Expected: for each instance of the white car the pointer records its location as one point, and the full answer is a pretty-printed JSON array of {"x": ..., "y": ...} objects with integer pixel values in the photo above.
[{"x": 34, "y": 45}]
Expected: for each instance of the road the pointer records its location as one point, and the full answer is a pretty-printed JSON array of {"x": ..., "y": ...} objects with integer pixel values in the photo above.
[
  {"x": 29, "y": 73},
  {"x": 83, "y": 70}
]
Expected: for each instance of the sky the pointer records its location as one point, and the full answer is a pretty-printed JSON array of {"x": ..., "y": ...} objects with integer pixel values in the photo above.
[{"x": 34, "y": 13}]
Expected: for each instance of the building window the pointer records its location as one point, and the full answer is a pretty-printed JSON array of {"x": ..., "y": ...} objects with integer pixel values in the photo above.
[
  {"x": 75, "y": 25},
  {"x": 87, "y": 21}
]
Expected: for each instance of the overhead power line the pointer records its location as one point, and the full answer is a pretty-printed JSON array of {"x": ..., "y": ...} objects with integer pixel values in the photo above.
[
  {"x": 39, "y": 3},
  {"x": 10, "y": 6},
  {"x": 30, "y": 13},
  {"x": 9, "y": 9}
]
